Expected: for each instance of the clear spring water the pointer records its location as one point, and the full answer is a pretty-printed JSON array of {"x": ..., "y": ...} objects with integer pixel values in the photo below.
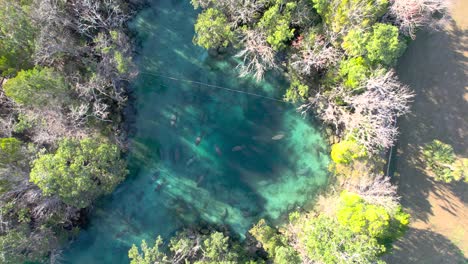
[{"x": 235, "y": 175}]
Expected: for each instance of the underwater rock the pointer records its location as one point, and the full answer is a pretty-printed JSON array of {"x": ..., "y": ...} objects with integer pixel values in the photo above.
[
  {"x": 238, "y": 148},
  {"x": 278, "y": 137}
]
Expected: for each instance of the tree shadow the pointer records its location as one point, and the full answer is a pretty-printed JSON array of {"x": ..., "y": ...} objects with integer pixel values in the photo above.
[
  {"x": 424, "y": 246},
  {"x": 434, "y": 66}
]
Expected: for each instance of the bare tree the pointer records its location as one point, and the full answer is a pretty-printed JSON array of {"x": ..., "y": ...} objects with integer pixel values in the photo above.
[
  {"x": 376, "y": 189},
  {"x": 257, "y": 55},
  {"x": 410, "y": 15},
  {"x": 95, "y": 15},
  {"x": 368, "y": 116},
  {"x": 318, "y": 55}
]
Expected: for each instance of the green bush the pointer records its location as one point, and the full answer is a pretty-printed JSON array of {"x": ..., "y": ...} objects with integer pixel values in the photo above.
[
  {"x": 380, "y": 46},
  {"x": 339, "y": 14},
  {"x": 345, "y": 151},
  {"x": 38, "y": 87},
  {"x": 79, "y": 171},
  {"x": 17, "y": 36},
  {"x": 441, "y": 160},
  {"x": 277, "y": 25},
  {"x": 10, "y": 151},
  {"x": 369, "y": 219},
  {"x": 212, "y": 29}
]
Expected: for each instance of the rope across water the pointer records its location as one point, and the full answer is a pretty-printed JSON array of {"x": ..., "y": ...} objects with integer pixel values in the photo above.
[{"x": 213, "y": 86}]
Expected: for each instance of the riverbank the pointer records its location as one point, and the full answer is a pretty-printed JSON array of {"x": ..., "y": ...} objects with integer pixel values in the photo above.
[{"x": 435, "y": 67}]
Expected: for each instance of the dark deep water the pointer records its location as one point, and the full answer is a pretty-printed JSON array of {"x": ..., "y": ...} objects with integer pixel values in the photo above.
[{"x": 235, "y": 176}]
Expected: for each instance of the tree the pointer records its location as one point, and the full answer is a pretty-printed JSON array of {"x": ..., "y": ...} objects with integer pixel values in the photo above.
[
  {"x": 369, "y": 116},
  {"x": 315, "y": 52},
  {"x": 340, "y": 16},
  {"x": 188, "y": 247},
  {"x": 441, "y": 160},
  {"x": 275, "y": 22},
  {"x": 370, "y": 219},
  {"x": 347, "y": 150},
  {"x": 39, "y": 87},
  {"x": 376, "y": 189},
  {"x": 212, "y": 29},
  {"x": 384, "y": 45},
  {"x": 257, "y": 55},
  {"x": 79, "y": 171},
  {"x": 274, "y": 243},
  {"x": 10, "y": 151},
  {"x": 379, "y": 46},
  {"x": 148, "y": 255},
  {"x": 410, "y": 15},
  {"x": 296, "y": 92},
  {"x": 323, "y": 240},
  {"x": 17, "y": 35},
  {"x": 354, "y": 72}
]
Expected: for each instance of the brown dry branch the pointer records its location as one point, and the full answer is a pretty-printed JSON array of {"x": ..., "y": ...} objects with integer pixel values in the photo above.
[
  {"x": 368, "y": 116},
  {"x": 376, "y": 189},
  {"x": 316, "y": 56},
  {"x": 257, "y": 55},
  {"x": 410, "y": 15}
]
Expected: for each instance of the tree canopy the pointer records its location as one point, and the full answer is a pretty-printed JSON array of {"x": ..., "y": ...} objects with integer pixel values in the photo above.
[
  {"x": 40, "y": 87},
  {"x": 17, "y": 35},
  {"x": 441, "y": 160},
  {"x": 212, "y": 29},
  {"x": 79, "y": 171}
]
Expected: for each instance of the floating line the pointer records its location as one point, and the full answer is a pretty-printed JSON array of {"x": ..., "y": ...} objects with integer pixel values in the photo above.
[{"x": 213, "y": 86}]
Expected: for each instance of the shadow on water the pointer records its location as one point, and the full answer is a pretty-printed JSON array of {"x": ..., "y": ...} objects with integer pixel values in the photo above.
[{"x": 201, "y": 154}]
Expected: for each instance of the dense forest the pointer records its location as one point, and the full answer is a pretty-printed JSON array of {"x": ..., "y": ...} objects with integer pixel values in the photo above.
[{"x": 65, "y": 70}]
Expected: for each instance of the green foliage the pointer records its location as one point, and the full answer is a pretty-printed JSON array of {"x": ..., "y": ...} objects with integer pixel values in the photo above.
[
  {"x": 296, "y": 92},
  {"x": 326, "y": 241},
  {"x": 79, "y": 171},
  {"x": 10, "y": 151},
  {"x": 441, "y": 160},
  {"x": 369, "y": 219},
  {"x": 148, "y": 255},
  {"x": 212, "y": 248},
  {"x": 384, "y": 45},
  {"x": 212, "y": 29},
  {"x": 16, "y": 38},
  {"x": 341, "y": 14},
  {"x": 354, "y": 72},
  {"x": 354, "y": 43},
  {"x": 122, "y": 62},
  {"x": 347, "y": 150},
  {"x": 274, "y": 243},
  {"x": 37, "y": 87},
  {"x": 380, "y": 46},
  {"x": 24, "y": 123},
  {"x": 277, "y": 25}
]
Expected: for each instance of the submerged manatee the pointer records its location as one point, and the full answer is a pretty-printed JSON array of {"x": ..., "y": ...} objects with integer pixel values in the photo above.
[
  {"x": 238, "y": 148},
  {"x": 278, "y": 137}
]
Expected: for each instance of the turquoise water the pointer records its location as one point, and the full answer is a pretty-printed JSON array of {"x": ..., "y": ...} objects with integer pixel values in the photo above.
[{"x": 237, "y": 174}]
